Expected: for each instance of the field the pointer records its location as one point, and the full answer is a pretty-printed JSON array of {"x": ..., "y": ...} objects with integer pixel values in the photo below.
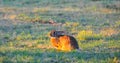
[{"x": 25, "y": 27}]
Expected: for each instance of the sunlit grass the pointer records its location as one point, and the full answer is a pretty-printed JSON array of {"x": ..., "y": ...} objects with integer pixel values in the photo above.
[{"x": 24, "y": 37}]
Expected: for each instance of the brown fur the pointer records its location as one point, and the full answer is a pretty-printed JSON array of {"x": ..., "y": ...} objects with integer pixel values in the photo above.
[{"x": 63, "y": 42}]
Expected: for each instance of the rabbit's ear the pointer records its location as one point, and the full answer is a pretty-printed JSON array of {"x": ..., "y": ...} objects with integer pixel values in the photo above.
[{"x": 60, "y": 33}]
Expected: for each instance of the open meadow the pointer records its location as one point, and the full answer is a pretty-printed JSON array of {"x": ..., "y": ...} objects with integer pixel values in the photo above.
[{"x": 25, "y": 27}]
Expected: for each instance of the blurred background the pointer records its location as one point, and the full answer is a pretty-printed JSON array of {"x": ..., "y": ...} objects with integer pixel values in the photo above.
[{"x": 25, "y": 27}]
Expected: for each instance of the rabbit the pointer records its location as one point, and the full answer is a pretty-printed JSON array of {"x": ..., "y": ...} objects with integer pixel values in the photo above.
[{"x": 63, "y": 42}]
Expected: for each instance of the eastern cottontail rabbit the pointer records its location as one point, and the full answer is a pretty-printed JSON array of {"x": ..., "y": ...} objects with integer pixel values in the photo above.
[{"x": 63, "y": 42}]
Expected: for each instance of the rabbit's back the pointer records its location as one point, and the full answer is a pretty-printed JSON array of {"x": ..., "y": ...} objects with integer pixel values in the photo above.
[{"x": 68, "y": 43}]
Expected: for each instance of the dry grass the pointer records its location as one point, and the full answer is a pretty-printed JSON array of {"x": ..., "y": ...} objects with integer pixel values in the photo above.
[
  {"x": 44, "y": 46},
  {"x": 105, "y": 10},
  {"x": 12, "y": 17},
  {"x": 108, "y": 32}
]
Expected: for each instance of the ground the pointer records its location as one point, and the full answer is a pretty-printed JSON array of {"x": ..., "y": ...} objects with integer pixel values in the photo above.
[{"x": 25, "y": 27}]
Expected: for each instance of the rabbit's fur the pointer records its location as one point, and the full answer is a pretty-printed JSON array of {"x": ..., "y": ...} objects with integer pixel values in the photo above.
[{"x": 63, "y": 42}]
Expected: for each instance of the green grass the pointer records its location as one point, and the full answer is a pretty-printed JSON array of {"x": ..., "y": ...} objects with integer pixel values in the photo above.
[{"x": 24, "y": 38}]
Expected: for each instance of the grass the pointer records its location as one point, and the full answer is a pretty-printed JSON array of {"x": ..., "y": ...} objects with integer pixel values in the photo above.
[{"x": 24, "y": 37}]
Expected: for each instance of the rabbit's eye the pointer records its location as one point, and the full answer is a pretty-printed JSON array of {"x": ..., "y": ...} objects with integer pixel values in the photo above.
[{"x": 52, "y": 33}]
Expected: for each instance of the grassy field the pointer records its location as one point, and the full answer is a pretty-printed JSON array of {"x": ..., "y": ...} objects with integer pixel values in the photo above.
[{"x": 25, "y": 27}]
